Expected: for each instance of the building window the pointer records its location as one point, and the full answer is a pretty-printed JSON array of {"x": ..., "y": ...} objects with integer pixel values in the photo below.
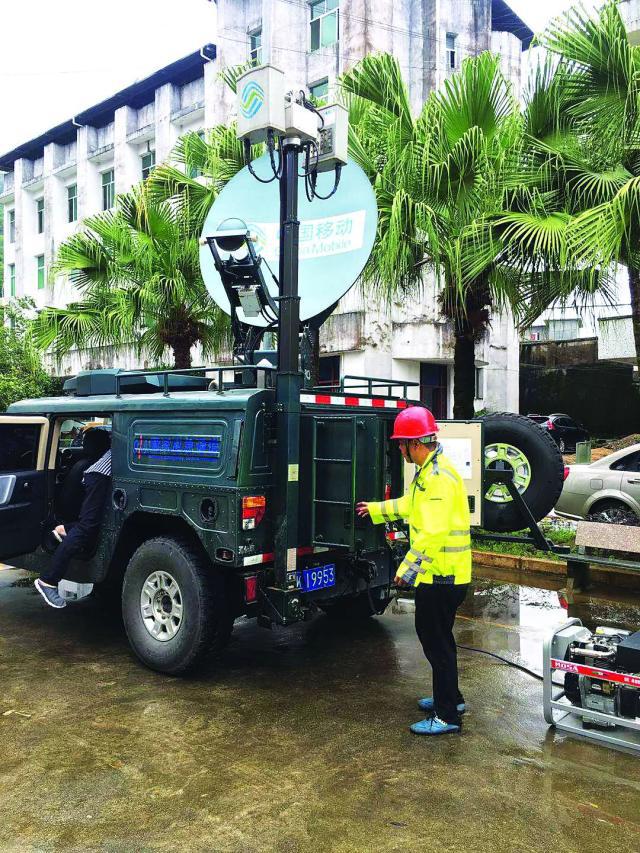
[
  {"x": 479, "y": 383},
  {"x": 12, "y": 226},
  {"x": 434, "y": 388},
  {"x": 324, "y": 23},
  {"x": 255, "y": 47},
  {"x": 329, "y": 373},
  {"x": 108, "y": 190},
  {"x": 148, "y": 162},
  {"x": 320, "y": 91},
  {"x": 451, "y": 50},
  {"x": 12, "y": 279},
  {"x": 72, "y": 203},
  {"x": 40, "y": 215},
  {"x": 40, "y": 261}
]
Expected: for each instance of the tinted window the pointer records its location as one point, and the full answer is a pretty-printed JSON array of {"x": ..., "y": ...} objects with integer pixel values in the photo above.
[
  {"x": 631, "y": 462},
  {"x": 563, "y": 422},
  {"x": 19, "y": 447}
]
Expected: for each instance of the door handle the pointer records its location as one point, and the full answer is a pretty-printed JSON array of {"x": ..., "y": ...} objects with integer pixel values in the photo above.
[
  {"x": 26, "y": 488},
  {"x": 634, "y": 482}
]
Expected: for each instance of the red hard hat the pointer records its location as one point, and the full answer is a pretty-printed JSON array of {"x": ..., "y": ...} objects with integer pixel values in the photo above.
[{"x": 414, "y": 422}]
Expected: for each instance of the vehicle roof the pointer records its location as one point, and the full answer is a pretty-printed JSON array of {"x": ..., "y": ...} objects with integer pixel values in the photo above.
[{"x": 235, "y": 399}]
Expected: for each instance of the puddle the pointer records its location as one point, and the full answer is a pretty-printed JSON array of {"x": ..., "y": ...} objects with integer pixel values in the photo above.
[{"x": 530, "y": 607}]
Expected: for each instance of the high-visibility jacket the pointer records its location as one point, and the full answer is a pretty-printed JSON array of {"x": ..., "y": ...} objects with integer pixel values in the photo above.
[{"x": 437, "y": 509}]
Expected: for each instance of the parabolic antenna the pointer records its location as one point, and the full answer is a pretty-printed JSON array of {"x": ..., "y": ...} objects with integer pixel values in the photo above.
[{"x": 336, "y": 235}]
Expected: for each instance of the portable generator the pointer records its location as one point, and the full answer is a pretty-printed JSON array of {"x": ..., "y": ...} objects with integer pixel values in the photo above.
[{"x": 599, "y": 696}]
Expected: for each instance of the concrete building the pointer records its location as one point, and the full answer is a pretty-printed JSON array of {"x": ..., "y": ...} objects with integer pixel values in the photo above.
[{"x": 77, "y": 168}]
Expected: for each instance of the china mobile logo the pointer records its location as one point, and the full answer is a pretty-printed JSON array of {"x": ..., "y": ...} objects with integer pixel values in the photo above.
[{"x": 252, "y": 99}]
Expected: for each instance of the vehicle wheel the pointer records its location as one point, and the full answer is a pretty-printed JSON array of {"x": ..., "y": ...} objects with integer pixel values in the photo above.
[
  {"x": 174, "y": 606},
  {"x": 561, "y": 446},
  {"x": 612, "y": 512},
  {"x": 513, "y": 441},
  {"x": 357, "y": 608}
]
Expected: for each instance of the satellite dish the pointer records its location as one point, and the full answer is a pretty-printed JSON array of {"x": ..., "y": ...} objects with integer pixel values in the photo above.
[{"x": 336, "y": 235}]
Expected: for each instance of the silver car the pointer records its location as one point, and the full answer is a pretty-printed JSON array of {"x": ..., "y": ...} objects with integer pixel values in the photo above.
[{"x": 611, "y": 483}]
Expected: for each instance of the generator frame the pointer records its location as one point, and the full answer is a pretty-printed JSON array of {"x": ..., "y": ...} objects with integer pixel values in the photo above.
[{"x": 567, "y": 718}]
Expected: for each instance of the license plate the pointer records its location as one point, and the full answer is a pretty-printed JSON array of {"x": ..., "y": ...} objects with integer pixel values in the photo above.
[{"x": 319, "y": 578}]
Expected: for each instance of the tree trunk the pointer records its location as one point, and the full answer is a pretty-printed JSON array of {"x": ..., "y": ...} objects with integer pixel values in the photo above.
[
  {"x": 464, "y": 371},
  {"x": 181, "y": 353},
  {"x": 634, "y": 290}
]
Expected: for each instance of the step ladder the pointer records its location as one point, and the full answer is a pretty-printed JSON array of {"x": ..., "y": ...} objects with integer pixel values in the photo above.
[{"x": 334, "y": 477}]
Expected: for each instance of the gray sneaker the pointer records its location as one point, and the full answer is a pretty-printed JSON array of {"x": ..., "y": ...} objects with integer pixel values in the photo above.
[{"x": 50, "y": 594}]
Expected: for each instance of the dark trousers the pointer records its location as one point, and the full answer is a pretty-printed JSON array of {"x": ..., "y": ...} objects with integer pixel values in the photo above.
[
  {"x": 82, "y": 535},
  {"x": 436, "y": 606}
]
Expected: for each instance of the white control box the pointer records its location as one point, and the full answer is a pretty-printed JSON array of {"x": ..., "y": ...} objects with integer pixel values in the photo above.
[
  {"x": 301, "y": 122},
  {"x": 333, "y": 145},
  {"x": 260, "y": 103}
]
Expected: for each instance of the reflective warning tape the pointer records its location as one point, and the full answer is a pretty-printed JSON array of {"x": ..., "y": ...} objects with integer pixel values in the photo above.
[
  {"x": 595, "y": 672},
  {"x": 259, "y": 559},
  {"x": 373, "y": 402},
  {"x": 393, "y": 535}
]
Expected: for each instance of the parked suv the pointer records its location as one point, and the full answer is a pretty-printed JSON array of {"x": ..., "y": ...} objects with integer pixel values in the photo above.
[{"x": 565, "y": 431}]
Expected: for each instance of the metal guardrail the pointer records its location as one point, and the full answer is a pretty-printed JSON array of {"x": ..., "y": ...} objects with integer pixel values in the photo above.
[{"x": 200, "y": 372}]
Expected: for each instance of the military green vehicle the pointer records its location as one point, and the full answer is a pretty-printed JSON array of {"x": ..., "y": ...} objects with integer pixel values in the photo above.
[{"x": 188, "y": 535}]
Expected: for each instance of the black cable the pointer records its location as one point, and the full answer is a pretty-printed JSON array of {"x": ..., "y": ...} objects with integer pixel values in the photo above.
[
  {"x": 247, "y": 157},
  {"x": 504, "y": 660},
  {"x": 314, "y": 178}
]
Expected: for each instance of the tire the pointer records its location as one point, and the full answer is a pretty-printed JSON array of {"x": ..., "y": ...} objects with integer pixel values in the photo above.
[
  {"x": 515, "y": 441},
  {"x": 611, "y": 511},
  {"x": 357, "y": 608},
  {"x": 186, "y": 612}
]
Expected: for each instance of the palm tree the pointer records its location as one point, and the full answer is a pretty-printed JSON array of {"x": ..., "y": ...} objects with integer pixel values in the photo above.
[
  {"x": 441, "y": 181},
  {"x": 592, "y": 143},
  {"x": 137, "y": 268}
]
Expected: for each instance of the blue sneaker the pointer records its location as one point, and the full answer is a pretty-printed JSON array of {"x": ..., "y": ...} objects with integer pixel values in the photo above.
[
  {"x": 434, "y": 726},
  {"x": 427, "y": 705},
  {"x": 50, "y": 594}
]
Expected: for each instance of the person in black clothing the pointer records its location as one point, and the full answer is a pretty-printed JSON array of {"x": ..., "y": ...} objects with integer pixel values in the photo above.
[{"x": 78, "y": 537}]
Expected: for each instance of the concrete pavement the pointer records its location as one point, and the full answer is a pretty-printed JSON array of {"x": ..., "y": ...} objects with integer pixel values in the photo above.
[{"x": 298, "y": 741}]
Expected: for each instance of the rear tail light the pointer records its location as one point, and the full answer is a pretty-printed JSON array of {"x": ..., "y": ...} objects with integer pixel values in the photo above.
[
  {"x": 253, "y": 510},
  {"x": 549, "y": 425},
  {"x": 251, "y": 589},
  {"x": 567, "y": 471}
]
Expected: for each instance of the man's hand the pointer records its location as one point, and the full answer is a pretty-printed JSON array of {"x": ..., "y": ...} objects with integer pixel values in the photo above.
[
  {"x": 361, "y": 509},
  {"x": 398, "y": 581},
  {"x": 60, "y": 531}
]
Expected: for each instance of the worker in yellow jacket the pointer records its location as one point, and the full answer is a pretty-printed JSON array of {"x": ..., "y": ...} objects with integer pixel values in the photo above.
[{"x": 438, "y": 562}]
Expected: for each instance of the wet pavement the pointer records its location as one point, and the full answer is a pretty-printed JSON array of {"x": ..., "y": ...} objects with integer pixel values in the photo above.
[{"x": 298, "y": 741}]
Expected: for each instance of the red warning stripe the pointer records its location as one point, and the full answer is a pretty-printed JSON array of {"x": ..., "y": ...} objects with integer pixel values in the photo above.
[
  {"x": 595, "y": 672},
  {"x": 373, "y": 402}
]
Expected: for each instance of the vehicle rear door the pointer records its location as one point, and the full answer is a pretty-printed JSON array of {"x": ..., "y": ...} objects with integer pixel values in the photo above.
[{"x": 23, "y": 483}]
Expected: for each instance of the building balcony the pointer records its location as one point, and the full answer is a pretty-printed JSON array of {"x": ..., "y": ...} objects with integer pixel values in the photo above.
[
  {"x": 7, "y": 189},
  {"x": 191, "y": 111},
  {"x": 142, "y": 134}
]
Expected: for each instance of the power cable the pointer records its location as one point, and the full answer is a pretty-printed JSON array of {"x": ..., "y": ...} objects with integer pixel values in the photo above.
[{"x": 509, "y": 662}]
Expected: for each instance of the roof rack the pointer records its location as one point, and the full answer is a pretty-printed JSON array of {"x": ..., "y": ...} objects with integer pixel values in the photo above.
[
  {"x": 115, "y": 381},
  {"x": 370, "y": 383}
]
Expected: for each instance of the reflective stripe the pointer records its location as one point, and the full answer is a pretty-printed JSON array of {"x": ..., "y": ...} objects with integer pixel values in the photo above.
[
  {"x": 455, "y": 549},
  {"x": 396, "y": 507},
  {"x": 420, "y": 555},
  {"x": 459, "y": 533},
  {"x": 449, "y": 474}
]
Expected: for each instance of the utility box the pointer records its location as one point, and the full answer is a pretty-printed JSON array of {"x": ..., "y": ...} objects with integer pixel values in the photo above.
[
  {"x": 583, "y": 453},
  {"x": 260, "y": 102},
  {"x": 333, "y": 143}
]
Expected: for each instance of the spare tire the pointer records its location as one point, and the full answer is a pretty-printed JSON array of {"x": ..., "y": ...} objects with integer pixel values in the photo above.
[{"x": 513, "y": 441}]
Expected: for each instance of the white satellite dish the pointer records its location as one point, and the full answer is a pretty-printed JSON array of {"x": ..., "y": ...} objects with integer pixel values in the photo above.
[{"x": 336, "y": 235}]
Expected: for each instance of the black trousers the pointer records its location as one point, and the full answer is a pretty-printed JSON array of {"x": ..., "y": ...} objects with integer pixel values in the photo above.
[
  {"x": 82, "y": 535},
  {"x": 436, "y": 606}
]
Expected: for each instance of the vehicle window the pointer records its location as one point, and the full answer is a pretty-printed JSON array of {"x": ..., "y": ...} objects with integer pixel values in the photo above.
[
  {"x": 631, "y": 462},
  {"x": 563, "y": 422},
  {"x": 19, "y": 447},
  {"x": 72, "y": 430}
]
